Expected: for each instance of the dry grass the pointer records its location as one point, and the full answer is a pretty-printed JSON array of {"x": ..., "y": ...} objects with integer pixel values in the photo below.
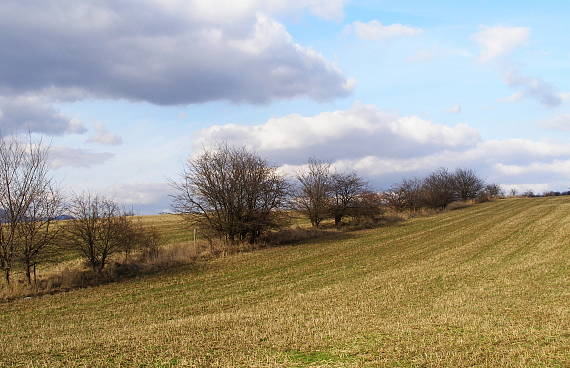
[
  {"x": 75, "y": 274},
  {"x": 457, "y": 205},
  {"x": 486, "y": 286}
]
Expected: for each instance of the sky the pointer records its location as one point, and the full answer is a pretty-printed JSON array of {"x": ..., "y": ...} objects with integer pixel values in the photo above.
[{"x": 125, "y": 92}]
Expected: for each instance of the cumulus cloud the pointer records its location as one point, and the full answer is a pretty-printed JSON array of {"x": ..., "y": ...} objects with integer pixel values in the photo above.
[
  {"x": 359, "y": 131},
  {"x": 76, "y": 157},
  {"x": 138, "y": 193},
  {"x": 162, "y": 52},
  {"x": 498, "y": 41},
  {"x": 103, "y": 136},
  {"x": 374, "y": 30},
  {"x": 33, "y": 114},
  {"x": 385, "y": 147}
]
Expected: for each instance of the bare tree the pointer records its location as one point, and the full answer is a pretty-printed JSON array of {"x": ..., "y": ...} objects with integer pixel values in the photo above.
[
  {"x": 439, "y": 189},
  {"x": 231, "y": 193},
  {"x": 38, "y": 233},
  {"x": 313, "y": 197},
  {"x": 494, "y": 190},
  {"x": 24, "y": 182},
  {"x": 407, "y": 195},
  {"x": 96, "y": 229},
  {"x": 467, "y": 184},
  {"x": 345, "y": 191},
  {"x": 130, "y": 231}
]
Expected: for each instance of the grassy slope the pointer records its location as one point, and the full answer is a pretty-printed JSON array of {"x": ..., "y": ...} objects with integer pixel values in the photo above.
[{"x": 483, "y": 286}]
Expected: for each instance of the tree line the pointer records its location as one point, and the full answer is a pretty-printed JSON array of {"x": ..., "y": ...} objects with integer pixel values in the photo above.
[
  {"x": 234, "y": 194},
  {"x": 227, "y": 193}
]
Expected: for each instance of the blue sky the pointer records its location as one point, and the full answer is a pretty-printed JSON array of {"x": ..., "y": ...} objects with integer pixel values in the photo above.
[{"x": 391, "y": 89}]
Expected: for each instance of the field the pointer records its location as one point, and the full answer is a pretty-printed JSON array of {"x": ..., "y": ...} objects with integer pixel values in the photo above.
[{"x": 482, "y": 286}]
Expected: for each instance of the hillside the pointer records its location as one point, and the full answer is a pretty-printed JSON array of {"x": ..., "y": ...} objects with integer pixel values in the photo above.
[{"x": 482, "y": 286}]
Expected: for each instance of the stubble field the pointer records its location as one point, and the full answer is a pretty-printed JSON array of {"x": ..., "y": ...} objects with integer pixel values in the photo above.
[{"x": 487, "y": 285}]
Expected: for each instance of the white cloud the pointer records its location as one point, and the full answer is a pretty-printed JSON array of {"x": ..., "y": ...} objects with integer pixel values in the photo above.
[
  {"x": 360, "y": 131},
  {"x": 385, "y": 147},
  {"x": 559, "y": 122},
  {"x": 138, "y": 193},
  {"x": 532, "y": 87},
  {"x": 498, "y": 41},
  {"x": 103, "y": 136},
  {"x": 455, "y": 109},
  {"x": 515, "y": 97},
  {"x": 522, "y": 188},
  {"x": 374, "y": 30},
  {"x": 76, "y": 157}
]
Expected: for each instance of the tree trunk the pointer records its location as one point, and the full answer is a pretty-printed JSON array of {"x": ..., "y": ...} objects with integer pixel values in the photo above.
[
  {"x": 7, "y": 276},
  {"x": 29, "y": 273},
  {"x": 337, "y": 220}
]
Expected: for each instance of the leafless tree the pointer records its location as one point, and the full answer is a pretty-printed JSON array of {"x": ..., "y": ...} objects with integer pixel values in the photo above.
[
  {"x": 96, "y": 229},
  {"x": 231, "y": 193},
  {"x": 134, "y": 235},
  {"x": 439, "y": 189},
  {"x": 345, "y": 190},
  {"x": 313, "y": 197},
  {"x": 467, "y": 184},
  {"x": 494, "y": 190},
  {"x": 130, "y": 231},
  {"x": 406, "y": 195},
  {"x": 38, "y": 233},
  {"x": 24, "y": 185}
]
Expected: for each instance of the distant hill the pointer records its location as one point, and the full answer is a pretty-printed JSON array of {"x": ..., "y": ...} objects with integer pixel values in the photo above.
[{"x": 64, "y": 217}]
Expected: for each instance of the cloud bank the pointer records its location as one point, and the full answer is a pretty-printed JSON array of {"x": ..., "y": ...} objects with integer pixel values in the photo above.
[
  {"x": 162, "y": 52},
  {"x": 385, "y": 147}
]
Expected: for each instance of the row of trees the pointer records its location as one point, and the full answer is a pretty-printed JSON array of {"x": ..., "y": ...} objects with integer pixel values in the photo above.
[
  {"x": 439, "y": 189},
  {"x": 31, "y": 208},
  {"x": 234, "y": 194}
]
